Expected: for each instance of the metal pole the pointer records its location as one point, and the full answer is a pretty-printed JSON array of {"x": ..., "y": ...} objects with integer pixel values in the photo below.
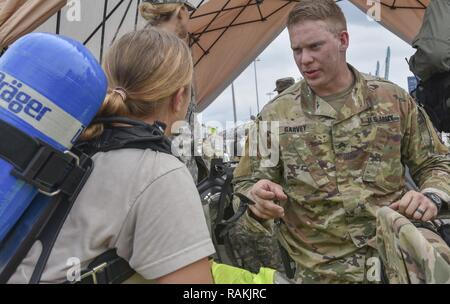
[
  {"x": 256, "y": 85},
  {"x": 235, "y": 122},
  {"x": 105, "y": 11},
  {"x": 136, "y": 18},
  {"x": 388, "y": 63},
  {"x": 234, "y": 103},
  {"x": 58, "y": 22}
]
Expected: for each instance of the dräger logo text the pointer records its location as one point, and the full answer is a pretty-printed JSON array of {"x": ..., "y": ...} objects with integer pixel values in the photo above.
[{"x": 19, "y": 101}]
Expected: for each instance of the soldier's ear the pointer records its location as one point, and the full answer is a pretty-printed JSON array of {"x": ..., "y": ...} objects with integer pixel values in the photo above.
[{"x": 344, "y": 40}]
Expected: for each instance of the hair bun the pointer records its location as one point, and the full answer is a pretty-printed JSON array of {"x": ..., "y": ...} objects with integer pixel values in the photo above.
[{"x": 148, "y": 11}]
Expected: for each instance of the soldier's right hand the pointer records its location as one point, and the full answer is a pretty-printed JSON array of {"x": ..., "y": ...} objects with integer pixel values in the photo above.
[{"x": 263, "y": 193}]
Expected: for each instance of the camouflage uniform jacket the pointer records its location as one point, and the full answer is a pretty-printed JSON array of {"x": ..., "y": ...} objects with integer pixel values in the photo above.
[{"x": 338, "y": 169}]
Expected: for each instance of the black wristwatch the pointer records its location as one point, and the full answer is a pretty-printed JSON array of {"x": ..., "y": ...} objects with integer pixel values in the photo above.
[{"x": 435, "y": 199}]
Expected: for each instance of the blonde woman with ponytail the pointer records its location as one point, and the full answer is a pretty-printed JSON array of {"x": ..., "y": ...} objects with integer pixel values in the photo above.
[{"x": 140, "y": 202}]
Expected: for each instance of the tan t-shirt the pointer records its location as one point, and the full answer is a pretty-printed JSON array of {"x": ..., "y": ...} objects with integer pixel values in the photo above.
[
  {"x": 143, "y": 203},
  {"x": 338, "y": 100}
]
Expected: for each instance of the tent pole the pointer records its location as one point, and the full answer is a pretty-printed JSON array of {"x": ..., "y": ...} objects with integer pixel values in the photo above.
[
  {"x": 105, "y": 10},
  {"x": 121, "y": 22},
  {"x": 234, "y": 103},
  {"x": 137, "y": 14},
  {"x": 256, "y": 85},
  {"x": 103, "y": 22},
  {"x": 58, "y": 22},
  {"x": 235, "y": 121}
]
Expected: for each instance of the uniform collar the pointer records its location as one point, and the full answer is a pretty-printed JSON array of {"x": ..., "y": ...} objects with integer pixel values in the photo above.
[{"x": 361, "y": 100}]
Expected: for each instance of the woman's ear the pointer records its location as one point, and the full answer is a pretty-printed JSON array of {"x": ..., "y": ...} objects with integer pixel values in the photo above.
[{"x": 177, "y": 100}]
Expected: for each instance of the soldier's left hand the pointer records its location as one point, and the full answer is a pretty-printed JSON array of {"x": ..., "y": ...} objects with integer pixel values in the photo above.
[{"x": 415, "y": 205}]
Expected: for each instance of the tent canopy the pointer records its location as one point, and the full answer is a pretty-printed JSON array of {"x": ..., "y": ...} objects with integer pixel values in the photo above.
[
  {"x": 401, "y": 17},
  {"x": 19, "y": 17},
  {"x": 226, "y": 35}
]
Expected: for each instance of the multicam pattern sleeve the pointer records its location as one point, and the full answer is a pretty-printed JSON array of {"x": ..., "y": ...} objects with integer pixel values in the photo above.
[
  {"x": 423, "y": 152},
  {"x": 250, "y": 170}
]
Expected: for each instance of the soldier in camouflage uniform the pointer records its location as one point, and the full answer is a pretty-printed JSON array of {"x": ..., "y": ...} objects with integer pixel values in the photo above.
[
  {"x": 339, "y": 185},
  {"x": 255, "y": 250},
  {"x": 255, "y": 247},
  {"x": 260, "y": 248},
  {"x": 173, "y": 16}
]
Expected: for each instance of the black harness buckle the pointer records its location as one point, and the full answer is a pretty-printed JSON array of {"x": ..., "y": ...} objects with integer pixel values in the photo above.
[
  {"x": 54, "y": 172},
  {"x": 39, "y": 164}
]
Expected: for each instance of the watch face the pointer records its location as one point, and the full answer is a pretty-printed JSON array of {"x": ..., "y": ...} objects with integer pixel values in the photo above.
[{"x": 435, "y": 198}]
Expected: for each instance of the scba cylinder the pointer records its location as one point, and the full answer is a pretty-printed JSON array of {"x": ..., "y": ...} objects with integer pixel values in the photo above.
[{"x": 51, "y": 87}]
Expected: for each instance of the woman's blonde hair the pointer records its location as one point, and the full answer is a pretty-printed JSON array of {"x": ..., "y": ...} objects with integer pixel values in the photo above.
[
  {"x": 159, "y": 13},
  {"x": 144, "y": 68}
]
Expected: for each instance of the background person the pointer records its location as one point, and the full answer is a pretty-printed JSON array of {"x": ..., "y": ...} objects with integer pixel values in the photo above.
[
  {"x": 283, "y": 83},
  {"x": 255, "y": 247}
]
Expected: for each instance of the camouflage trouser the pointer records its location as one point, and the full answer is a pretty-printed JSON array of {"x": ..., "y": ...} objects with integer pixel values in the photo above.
[
  {"x": 254, "y": 249},
  {"x": 409, "y": 254},
  {"x": 211, "y": 211}
]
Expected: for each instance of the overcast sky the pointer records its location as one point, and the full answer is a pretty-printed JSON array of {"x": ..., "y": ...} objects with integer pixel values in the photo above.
[{"x": 368, "y": 43}]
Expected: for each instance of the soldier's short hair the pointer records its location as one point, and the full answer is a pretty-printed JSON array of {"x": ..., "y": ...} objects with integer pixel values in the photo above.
[{"x": 326, "y": 10}]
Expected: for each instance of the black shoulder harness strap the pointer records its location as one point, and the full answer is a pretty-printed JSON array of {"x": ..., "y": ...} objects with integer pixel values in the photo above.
[
  {"x": 139, "y": 136},
  {"x": 55, "y": 174},
  {"x": 62, "y": 175}
]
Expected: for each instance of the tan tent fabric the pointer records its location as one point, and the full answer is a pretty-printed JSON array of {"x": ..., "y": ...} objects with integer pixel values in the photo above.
[
  {"x": 19, "y": 17},
  {"x": 402, "y": 17},
  {"x": 227, "y": 34},
  {"x": 219, "y": 61},
  {"x": 7, "y": 8}
]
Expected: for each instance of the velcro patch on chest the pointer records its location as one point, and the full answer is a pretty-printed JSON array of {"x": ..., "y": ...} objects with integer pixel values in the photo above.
[
  {"x": 294, "y": 129},
  {"x": 380, "y": 119}
]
